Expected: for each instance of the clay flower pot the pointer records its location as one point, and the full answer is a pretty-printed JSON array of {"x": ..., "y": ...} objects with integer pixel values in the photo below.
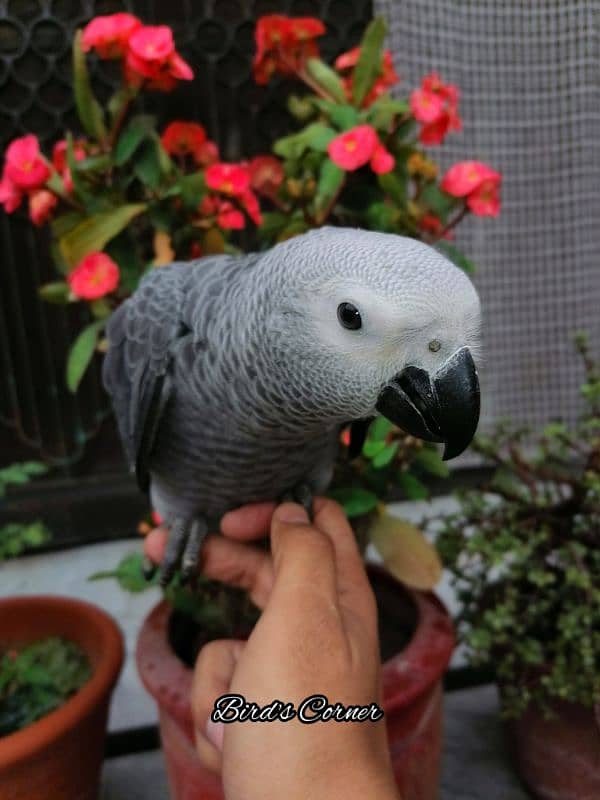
[
  {"x": 59, "y": 757},
  {"x": 558, "y": 758},
  {"x": 411, "y": 686}
]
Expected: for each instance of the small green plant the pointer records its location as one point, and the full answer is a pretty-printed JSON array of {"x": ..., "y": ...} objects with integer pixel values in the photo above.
[
  {"x": 17, "y": 537},
  {"x": 38, "y": 679},
  {"x": 524, "y": 552}
]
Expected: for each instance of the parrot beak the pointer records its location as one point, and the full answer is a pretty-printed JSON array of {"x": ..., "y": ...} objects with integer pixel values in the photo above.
[{"x": 443, "y": 409}]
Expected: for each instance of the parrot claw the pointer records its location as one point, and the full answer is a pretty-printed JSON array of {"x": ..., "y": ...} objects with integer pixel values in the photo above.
[
  {"x": 183, "y": 548},
  {"x": 189, "y": 561},
  {"x": 301, "y": 494}
]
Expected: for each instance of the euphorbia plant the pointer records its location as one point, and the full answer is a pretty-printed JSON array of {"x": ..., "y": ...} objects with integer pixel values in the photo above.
[
  {"x": 358, "y": 158},
  {"x": 122, "y": 198}
]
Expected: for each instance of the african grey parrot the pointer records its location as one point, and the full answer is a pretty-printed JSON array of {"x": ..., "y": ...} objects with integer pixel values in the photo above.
[{"x": 231, "y": 376}]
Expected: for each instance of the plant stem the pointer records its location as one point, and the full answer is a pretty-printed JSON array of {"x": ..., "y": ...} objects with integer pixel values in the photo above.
[{"x": 454, "y": 222}]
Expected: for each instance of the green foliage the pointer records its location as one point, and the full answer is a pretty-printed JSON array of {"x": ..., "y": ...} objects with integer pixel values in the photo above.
[
  {"x": 524, "y": 552},
  {"x": 129, "y": 574},
  {"x": 38, "y": 679},
  {"x": 81, "y": 353},
  {"x": 88, "y": 109},
  {"x": 18, "y": 537},
  {"x": 369, "y": 62}
]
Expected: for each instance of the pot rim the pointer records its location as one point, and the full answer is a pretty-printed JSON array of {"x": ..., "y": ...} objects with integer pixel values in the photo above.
[
  {"x": 25, "y": 743},
  {"x": 405, "y": 677}
]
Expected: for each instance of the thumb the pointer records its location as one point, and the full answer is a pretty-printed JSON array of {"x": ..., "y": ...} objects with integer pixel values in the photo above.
[{"x": 303, "y": 556}]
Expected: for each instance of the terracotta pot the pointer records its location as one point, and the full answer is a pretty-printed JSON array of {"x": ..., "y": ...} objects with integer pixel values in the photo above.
[
  {"x": 59, "y": 757},
  {"x": 558, "y": 758},
  {"x": 412, "y": 698}
]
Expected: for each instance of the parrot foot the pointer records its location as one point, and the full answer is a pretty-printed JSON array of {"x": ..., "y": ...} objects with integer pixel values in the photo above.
[
  {"x": 183, "y": 548},
  {"x": 301, "y": 494}
]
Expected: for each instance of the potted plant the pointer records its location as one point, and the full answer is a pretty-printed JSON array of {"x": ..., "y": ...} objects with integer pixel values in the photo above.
[
  {"x": 525, "y": 557},
  {"x": 59, "y": 661}
]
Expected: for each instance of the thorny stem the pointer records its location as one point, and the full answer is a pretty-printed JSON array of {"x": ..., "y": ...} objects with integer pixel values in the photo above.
[{"x": 454, "y": 222}]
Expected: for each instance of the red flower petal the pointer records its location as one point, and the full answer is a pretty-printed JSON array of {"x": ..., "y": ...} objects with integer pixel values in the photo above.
[
  {"x": 382, "y": 160},
  {"x": 109, "y": 35},
  {"x": 41, "y": 205},
  {"x": 232, "y": 179},
  {"x": 95, "y": 276},
  {"x": 354, "y": 148}
]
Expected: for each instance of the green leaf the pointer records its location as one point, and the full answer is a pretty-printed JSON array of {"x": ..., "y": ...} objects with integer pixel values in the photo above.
[
  {"x": 129, "y": 573},
  {"x": 138, "y": 129},
  {"x": 193, "y": 188},
  {"x": 429, "y": 459},
  {"x": 437, "y": 200},
  {"x": 368, "y": 66},
  {"x": 385, "y": 456},
  {"x": 382, "y": 112},
  {"x": 330, "y": 181},
  {"x": 392, "y": 185},
  {"x": 93, "y": 233},
  {"x": 88, "y": 108},
  {"x": 301, "y": 107},
  {"x": 94, "y": 164},
  {"x": 379, "y": 428},
  {"x": 412, "y": 486},
  {"x": 65, "y": 223},
  {"x": 147, "y": 164},
  {"x": 326, "y": 78},
  {"x": 344, "y": 117},
  {"x": 456, "y": 256},
  {"x": 355, "y": 501},
  {"x": 373, "y": 447},
  {"x": 56, "y": 292},
  {"x": 81, "y": 354},
  {"x": 315, "y": 136}
]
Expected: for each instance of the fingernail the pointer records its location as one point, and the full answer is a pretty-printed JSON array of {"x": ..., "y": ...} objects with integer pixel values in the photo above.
[
  {"x": 214, "y": 733},
  {"x": 292, "y": 513}
]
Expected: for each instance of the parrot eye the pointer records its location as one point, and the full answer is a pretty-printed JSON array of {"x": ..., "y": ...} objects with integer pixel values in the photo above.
[{"x": 349, "y": 316}]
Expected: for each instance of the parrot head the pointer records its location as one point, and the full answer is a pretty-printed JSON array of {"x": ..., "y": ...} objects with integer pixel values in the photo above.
[{"x": 378, "y": 323}]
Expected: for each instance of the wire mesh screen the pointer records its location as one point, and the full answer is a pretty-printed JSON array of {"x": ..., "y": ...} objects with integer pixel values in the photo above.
[
  {"x": 529, "y": 74},
  {"x": 216, "y": 37}
]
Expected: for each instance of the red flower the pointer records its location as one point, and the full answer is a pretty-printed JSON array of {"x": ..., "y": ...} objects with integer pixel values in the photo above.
[
  {"x": 431, "y": 224},
  {"x": 435, "y": 106},
  {"x": 156, "y": 518},
  {"x": 96, "y": 275},
  {"x": 208, "y": 153},
  {"x": 266, "y": 174},
  {"x": 109, "y": 35},
  {"x": 183, "y": 139},
  {"x": 152, "y": 60},
  {"x": 387, "y": 74},
  {"x": 283, "y": 44},
  {"x": 195, "y": 250},
  {"x": 478, "y": 183},
  {"x": 382, "y": 160},
  {"x": 59, "y": 153},
  {"x": 230, "y": 217},
  {"x": 10, "y": 195},
  {"x": 41, "y": 205},
  {"x": 25, "y": 166},
  {"x": 354, "y": 148},
  {"x": 359, "y": 146},
  {"x": 250, "y": 202},
  {"x": 232, "y": 179}
]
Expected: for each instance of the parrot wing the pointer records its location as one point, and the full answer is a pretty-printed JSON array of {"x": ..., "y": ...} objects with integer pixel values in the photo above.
[{"x": 142, "y": 334}]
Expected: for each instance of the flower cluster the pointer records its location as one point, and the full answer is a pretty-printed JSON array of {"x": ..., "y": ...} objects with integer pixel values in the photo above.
[
  {"x": 435, "y": 106},
  {"x": 284, "y": 44},
  {"x": 359, "y": 146},
  {"x": 477, "y": 183},
  {"x": 148, "y": 52}
]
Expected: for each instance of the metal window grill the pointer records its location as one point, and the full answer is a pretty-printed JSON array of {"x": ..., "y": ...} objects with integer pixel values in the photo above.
[{"x": 216, "y": 37}]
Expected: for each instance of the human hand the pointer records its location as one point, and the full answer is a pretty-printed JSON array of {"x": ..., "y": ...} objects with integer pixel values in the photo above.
[{"x": 317, "y": 635}]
